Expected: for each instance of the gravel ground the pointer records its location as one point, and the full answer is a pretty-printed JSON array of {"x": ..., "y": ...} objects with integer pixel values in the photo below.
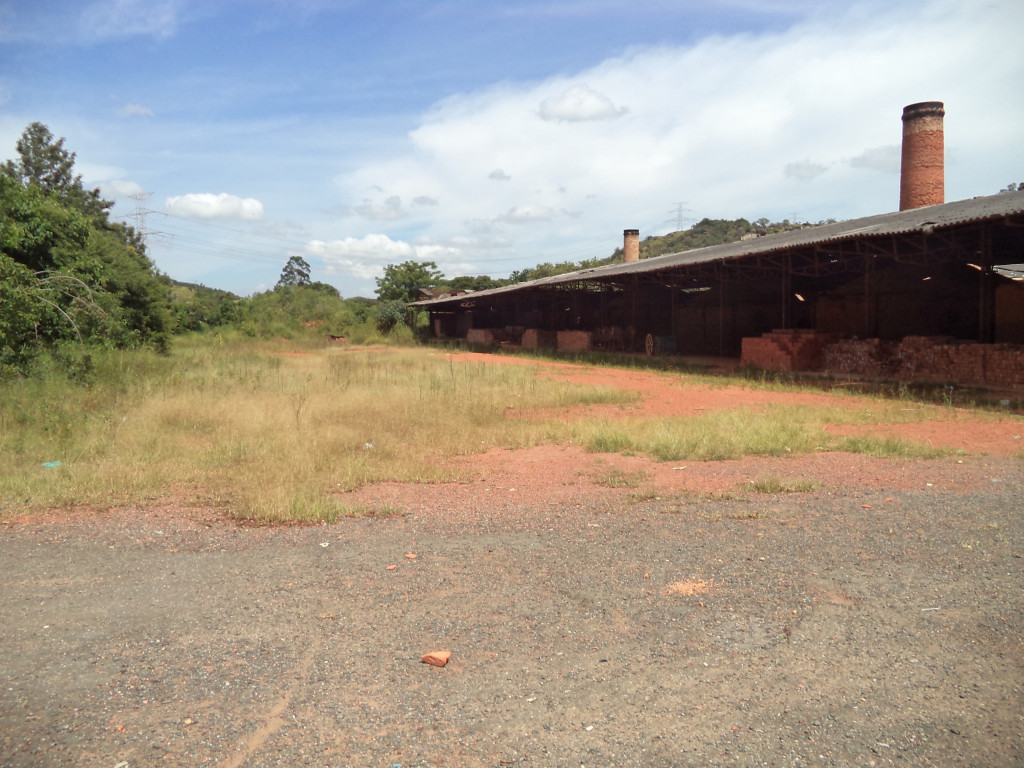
[{"x": 857, "y": 625}]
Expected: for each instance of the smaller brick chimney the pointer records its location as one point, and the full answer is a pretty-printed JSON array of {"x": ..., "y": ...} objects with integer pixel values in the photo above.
[
  {"x": 922, "y": 175},
  {"x": 631, "y": 245}
]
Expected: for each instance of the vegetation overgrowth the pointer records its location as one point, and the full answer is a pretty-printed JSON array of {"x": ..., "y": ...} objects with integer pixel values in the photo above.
[
  {"x": 275, "y": 430},
  {"x": 74, "y": 281},
  {"x": 270, "y": 430},
  {"x": 119, "y": 385}
]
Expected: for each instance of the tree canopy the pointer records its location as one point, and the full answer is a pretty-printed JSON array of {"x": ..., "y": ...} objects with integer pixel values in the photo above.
[
  {"x": 295, "y": 272},
  {"x": 70, "y": 273},
  {"x": 44, "y": 163},
  {"x": 401, "y": 281}
]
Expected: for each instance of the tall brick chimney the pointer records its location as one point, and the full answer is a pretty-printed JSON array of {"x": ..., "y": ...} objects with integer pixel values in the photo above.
[
  {"x": 922, "y": 175},
  {"x": 631, "y": 245}
]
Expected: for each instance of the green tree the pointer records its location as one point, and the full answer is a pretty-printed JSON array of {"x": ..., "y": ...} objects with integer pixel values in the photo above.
[
  {"x": 401, "y": 281},
  {"x": 388, "y": 315},
  {"x": 295, "y": 272},
  {"x": 478, "y": 283},
  {"x": 138, "y": 298},
  {"x": 44, "y": 163},
  {"x": 70, "y": 274}
]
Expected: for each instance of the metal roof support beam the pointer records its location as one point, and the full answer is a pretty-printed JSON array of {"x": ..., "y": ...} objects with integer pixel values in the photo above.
[
  {"x": 986, "y": 289},
  {"x": 786, "y": 286},
  {"x": 636, "y": 290},
  {"x": 869, "y": 261},
  {"x": 721, "y": 313}
]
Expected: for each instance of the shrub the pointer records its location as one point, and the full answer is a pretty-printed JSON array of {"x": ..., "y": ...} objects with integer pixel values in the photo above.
[{"x": 388, "y": 315}]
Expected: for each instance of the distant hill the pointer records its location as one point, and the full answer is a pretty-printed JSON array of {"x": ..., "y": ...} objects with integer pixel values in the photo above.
[
  {"x": 713, "y": 232},
  {"x": 702, "y": 234}
]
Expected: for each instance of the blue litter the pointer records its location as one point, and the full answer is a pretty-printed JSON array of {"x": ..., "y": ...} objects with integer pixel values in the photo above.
[{"x": 51, "y": 464}]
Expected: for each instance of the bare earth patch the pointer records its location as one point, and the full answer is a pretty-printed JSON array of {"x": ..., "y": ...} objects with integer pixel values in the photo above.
[{"x": 556, "y": 476}]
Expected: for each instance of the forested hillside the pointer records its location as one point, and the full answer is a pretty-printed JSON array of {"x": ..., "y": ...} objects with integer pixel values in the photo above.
[
  {"x": 713, "y": 232},
  {"x": 700, "y": 235}
]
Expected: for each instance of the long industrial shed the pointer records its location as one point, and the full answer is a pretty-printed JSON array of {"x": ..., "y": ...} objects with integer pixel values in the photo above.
[
  {"x": 944, "y": 270},
  {"x": 933, "y": 292}
]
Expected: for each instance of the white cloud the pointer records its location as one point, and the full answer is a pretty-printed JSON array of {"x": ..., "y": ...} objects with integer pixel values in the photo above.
[
  {"x": 804, "y": 170},
  {"x": 135, "y": 110},
  {"x": 110, "y": 180},
  {"x": 208, "y": 206},
  {"x": 885, "y": 159},
  {"x": 721, "y": 124},
  {"x": 579, "y": 103},
  {"x": 366, "y": 256},
  {"x": 388, "y": 210},
  {"x": 109, "y": 19},
  {"x": 115, "y": 189},
  {"x": 526, "y": 214}
]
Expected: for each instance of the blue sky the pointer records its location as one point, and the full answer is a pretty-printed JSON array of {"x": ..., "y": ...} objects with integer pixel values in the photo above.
[{"x": 488, "y": 136}]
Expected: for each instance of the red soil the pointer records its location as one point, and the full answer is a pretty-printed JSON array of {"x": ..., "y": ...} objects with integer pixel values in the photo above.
[{"x": 560, "y": 477}]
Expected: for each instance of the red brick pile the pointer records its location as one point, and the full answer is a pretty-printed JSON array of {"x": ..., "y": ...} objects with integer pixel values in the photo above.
[
  {"x": 483, "y": 336},
  {"x": 925, "y": 358},
  {"x": 929, "y": 358},
  {"x": 786, "y": 350},
  {"x": 534, "y": 338},
  {"x": 864, "y": 357},
  {"x": 574, "y": 341}
]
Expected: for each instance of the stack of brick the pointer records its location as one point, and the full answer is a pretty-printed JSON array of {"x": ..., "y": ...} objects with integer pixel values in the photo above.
[
  {"x": 922, "y": 357},
  {"x": 786, "y": 350},
  {"x": 482, "y": 336},
  {"x": 573, "y": 341},
  {"x": 963, "y": 362},
  {"x": 1004, "y": 366},
  {"x": 931, "y": 359},
  {"x": 862, "y": 357},
  {"x": 534, "y": 338}
]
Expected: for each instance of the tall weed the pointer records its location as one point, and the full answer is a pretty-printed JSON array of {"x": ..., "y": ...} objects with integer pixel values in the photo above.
[{"x": 277, "y": 429}]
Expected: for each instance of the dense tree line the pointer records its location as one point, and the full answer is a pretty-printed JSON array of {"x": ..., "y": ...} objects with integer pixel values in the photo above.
[
  {"x": 69, "y": 275},
  {"x": 72, "y": 279}
]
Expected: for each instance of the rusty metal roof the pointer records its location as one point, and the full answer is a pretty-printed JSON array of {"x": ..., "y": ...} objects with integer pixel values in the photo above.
[{"x": 928, "y": 219}]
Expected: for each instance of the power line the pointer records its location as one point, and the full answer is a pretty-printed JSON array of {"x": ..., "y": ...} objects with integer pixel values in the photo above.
[{"x": 677, "y": 210}]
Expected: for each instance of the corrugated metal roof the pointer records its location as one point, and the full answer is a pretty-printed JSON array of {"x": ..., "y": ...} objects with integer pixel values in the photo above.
[{"x": 927, "y": 219}]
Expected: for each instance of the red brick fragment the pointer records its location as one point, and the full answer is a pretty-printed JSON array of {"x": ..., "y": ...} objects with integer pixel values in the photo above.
[{"x": 436, "y": 658}]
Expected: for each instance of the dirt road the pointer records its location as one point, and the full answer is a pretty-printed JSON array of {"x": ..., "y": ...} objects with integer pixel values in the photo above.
[{"x": 853, "y": 627}]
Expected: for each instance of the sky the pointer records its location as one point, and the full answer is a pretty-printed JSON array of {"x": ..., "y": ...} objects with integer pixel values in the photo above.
[{"x": 489, "y": 136}]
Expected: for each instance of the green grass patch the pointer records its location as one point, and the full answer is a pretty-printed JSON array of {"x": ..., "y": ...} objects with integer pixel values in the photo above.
[
  {"x": 772, "y": 484},
  {"x": 715, "y": 436},
  {"x": 774, "y": 430},
  {"x": 618, "y": 478},
  {"x": 645, "y": 494},
  {"x": 890, "y": 447}
]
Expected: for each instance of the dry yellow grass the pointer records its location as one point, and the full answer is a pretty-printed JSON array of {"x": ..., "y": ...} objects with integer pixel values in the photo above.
[
  {"x": 275, "y": 431},
  {"x": 271, "y": 433}
]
